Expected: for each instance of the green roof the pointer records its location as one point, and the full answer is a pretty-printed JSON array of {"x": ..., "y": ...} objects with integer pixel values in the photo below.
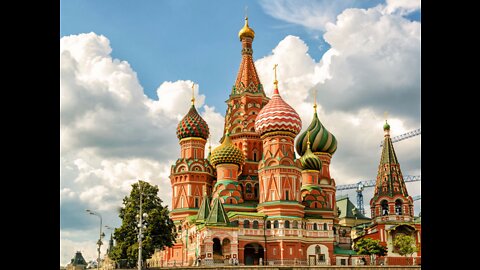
[
  {"x": 341, "y": 251},
  {"x": 78, "y": 259},
  {"x": 204, "y": 209},
  {"x": 346, "y": 207},
  {"x": 191, "y": 218},
  {"x": 217, "y": 215}
]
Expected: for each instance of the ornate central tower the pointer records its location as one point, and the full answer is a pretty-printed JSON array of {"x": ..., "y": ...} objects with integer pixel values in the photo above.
[{"x": 246, "y": 100}]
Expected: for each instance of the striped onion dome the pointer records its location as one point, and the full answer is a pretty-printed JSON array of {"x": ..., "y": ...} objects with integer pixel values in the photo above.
[
  {"x": 277, "y": 115},
  {"x": 321, "y": 139},
  {"x": 227, "y": 153},
  {"x": 192, "y": 125},
  {"x": 310, "y": 161}
]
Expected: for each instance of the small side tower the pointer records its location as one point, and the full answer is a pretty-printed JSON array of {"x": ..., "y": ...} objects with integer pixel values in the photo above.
[{"x": 390, "y": 201}]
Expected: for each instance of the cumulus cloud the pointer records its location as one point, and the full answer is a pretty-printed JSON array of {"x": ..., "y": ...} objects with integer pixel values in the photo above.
[{"x": 112, "y": 134}]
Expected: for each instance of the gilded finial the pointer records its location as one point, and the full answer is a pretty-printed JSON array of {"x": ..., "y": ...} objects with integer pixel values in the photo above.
[
  {"x": 385, "y": 114},
  {"x": 246, "y": 13},
  {"x": 315, "y": 99},
  {"x": 209, "y": 144},
  {"x": 193, "y": 93}
]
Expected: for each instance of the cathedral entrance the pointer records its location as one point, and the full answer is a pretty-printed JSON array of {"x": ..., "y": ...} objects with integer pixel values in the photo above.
[
  {"x": 252, "y": 254},
  {"x": 217, "y": 251}
]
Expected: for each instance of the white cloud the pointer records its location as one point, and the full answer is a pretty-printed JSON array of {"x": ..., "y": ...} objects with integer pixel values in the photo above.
[
  {"x": 402, "y": 7},
  {"x": 310, "y": 14},
  {"x": 112, "y": 134}
]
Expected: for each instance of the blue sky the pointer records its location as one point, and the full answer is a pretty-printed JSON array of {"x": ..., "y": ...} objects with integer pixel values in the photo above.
[
  {"x": 362, "y": 58},
  {"x": 175, "y": 40}
]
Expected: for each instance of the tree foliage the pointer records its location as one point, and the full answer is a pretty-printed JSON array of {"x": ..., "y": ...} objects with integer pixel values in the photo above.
[
  {"x": 372, "y": 247},
  {"x": 404, "y": 244},
  {"x": 159, "y": 231}
]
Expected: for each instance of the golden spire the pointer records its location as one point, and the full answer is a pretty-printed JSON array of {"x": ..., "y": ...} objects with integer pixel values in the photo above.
[
  {"x": 193, "y": 93},
  {"x": 275, "y": 81},
  {"x": 209, "y": 144},
  {"x": 315, "y": 99}
]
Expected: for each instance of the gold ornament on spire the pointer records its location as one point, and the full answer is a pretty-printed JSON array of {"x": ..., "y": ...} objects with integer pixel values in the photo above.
[
  {"x": 246, "y": 31},
  {"x": 275, "y": 72},
  {"x": 315, "y": 99},
  {"x": 193, "y": 93}
]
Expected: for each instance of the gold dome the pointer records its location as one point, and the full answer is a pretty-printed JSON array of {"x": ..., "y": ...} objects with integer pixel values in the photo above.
[{"x": 246, "y": 31}]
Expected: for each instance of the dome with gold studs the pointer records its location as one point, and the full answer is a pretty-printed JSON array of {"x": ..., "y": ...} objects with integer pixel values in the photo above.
[
  {"x": 246, "y": 31},
  {"x": 227, "y": 153}
]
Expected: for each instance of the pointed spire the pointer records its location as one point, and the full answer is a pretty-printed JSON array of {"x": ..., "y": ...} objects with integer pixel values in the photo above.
[
  {"x": 275, "y": 82},
  {"x": 217, "y": 215},
  {"x": 204, "y": 210}
]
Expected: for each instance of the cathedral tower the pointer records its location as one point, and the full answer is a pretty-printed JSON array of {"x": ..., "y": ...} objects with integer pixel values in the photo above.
[
  {"x": 191, "y": 176},
  {"x": 246, "y": 99},
  {"x": 318, "y": 193},
  {"x": 390, "y": 200},
  {"x": 278, "y": 124}
]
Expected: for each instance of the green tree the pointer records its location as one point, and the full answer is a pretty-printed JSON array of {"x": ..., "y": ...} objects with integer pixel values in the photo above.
[
  {"x": 404, "y": 244},
  {"x": 159, "y": 231},
  {"x": 372, "y": 247}
]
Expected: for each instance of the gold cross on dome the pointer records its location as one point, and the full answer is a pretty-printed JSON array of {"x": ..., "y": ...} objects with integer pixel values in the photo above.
[
  {"x": 275, "y": 72},
  {"x": 193, "y": 93}
]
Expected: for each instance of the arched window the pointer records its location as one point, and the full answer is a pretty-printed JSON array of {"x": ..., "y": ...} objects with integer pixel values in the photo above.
[
  {"x": 275, "y": 224},
  {"x": 315, "y": 226},
  {"x": 234, "y": 223},
  {"x": 334, "y": 230},
  {"x": 196, "y": 202},
  {"x": 248, "y": 188},
  {"x": 254, "y": 156},
  {"x": 295, "y": 224},
  {"x": 269, "y": 224},
  {"x": 246, "y": 223},
  {"x": 325, "y": 226},
  {"x": 179, "y": 228},
  {"x": 255, "y": 190},
  {"x": 384, "y": 205},
  {"x": 286, "y": 195},
  {"x": 287, "y": 224},
  {"x": 317, "y": 249},
  {"x": 398, "y": 207},
  {"x": 255, "y": 224}
]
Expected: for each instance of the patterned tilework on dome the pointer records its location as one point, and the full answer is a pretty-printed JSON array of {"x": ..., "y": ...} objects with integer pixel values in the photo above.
[
  {"x": 227, "y": 153},
  {"x": 310, "y": 161},
  {"x": 277, "y": 115},
  {"x": 320, "y": 138},
  {"x": 192, "y": 125}
]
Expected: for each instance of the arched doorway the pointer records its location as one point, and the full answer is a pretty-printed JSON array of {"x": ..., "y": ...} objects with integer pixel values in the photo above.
[
  {"x": 252, "y": 254},
  {"x": 217, "y": 250},
  {"x": 226, "y": 247}
]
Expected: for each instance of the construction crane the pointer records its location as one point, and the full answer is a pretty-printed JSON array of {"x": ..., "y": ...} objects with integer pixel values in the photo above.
[
  {"x": 404, "y": 136},
  {"x": 361, "y": 185}
]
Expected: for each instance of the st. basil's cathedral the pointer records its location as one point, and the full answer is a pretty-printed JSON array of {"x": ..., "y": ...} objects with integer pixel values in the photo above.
[{"x": 252, "y": 202}]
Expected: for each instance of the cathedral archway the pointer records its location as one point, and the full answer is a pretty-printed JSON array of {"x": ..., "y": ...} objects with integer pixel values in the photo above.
[
  {"x": 252, "y": 254},
  {"x": 217, "y": 250}
]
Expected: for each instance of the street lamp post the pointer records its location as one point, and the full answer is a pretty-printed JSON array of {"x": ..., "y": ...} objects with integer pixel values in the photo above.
[
  {"x": 140, "y": 226},
  {"x": 99, "y": 243}
]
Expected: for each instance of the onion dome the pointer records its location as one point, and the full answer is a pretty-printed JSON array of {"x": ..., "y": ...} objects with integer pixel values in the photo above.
[
  {"x": 227, "y": 153},
  {"x": 246, "y": 31},
  {"x": 192, "y": 125},
  {"x": 309, "y": 160},
  {"x": 321, "y": 139},
  {"x": 277, "y": 115},
  {"x": 386, "y": 126}
]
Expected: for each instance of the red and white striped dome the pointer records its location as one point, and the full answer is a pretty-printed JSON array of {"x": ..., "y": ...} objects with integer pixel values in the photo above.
[{"x": 277, "y": 115}]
